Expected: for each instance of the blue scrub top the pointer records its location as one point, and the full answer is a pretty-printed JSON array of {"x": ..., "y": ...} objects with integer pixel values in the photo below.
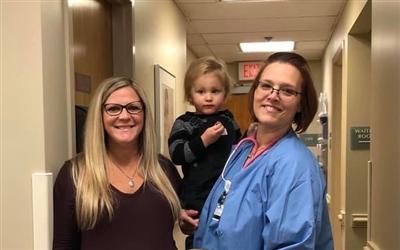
[{"x": 277, "y": 202}]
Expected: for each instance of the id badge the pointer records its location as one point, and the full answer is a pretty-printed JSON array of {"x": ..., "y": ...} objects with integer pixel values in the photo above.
[
  {"x": 218, "y": 212},
  {"x": 220, "y": 207}
]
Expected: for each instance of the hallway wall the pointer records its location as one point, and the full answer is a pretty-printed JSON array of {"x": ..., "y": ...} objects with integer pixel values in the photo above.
[
  {"x": 315, "y": 127},
  {"x": 385, "y": 124},
  {"x": 348, "y": 18},
  {"x": 190, "y": 57},
  {"x": 35, "y": 118},
  {"x": 384, "y": 202},
  {"x": 351, "y": 238},
  {"x": 356, "y": 98},
  {"x": 160, "y": 38}
]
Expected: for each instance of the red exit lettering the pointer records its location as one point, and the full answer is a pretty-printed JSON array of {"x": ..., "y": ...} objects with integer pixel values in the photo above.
[{"x": 249, "y": 70}]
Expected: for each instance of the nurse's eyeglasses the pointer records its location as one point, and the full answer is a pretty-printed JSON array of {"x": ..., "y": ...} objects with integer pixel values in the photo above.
[
  {"x": 115, "y": 109},
  {"x": 285, "y": 93}
]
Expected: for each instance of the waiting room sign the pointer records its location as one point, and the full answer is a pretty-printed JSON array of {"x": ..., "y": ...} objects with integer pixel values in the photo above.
[{"x": 360, "y": 138}]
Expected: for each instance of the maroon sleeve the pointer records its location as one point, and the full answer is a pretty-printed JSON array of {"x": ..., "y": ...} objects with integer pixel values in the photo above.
[
  {"x": 66, "y": 234},
  {"x": 171, "y": 172}
]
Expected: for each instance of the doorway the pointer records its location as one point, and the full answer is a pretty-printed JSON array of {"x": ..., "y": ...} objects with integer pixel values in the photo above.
[
  {"x": 102, "y": 41},
  {"x": 335, "y": 185},
  {"x": 238, "y": 105}
]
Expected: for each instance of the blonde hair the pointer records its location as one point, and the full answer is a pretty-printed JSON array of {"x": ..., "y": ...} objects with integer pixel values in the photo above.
[
  {"x": 94, "y": 197},
  {"x": 205, "y": 65}
]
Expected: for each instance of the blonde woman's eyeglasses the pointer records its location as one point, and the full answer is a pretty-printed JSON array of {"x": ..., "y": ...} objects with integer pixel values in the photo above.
[{"x": 114, "y": 109}]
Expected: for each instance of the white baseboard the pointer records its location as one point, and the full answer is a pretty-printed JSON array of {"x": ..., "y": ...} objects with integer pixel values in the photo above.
[
  {"x": 42, "y": 206},
  {"x": 371, "y": 246}
]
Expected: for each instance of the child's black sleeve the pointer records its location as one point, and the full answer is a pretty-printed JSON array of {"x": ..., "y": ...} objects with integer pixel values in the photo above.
[{"x": 184, "y": 146}]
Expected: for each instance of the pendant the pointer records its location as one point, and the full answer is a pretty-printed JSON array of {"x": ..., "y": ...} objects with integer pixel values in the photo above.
[{"x": 131, "y": 183}]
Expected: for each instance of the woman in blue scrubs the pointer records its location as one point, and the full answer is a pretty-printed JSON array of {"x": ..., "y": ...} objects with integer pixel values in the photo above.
[{"x": 271, "y": 194}]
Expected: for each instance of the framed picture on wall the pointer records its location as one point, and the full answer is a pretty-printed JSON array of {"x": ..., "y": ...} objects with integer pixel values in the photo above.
[{"x": 164, "y": 106}]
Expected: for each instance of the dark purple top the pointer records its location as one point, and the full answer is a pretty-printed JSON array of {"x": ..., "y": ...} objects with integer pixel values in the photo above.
[{"x": 142, "y": 220}]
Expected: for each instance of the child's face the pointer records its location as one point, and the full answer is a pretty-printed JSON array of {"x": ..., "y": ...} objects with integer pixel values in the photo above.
[{"x": 207, "y": 94}]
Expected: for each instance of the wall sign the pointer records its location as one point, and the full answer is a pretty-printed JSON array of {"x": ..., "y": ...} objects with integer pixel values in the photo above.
[
  {"x": 82, "y": 83},
  {"x": 360, "y": 138},
  {"x": 310, "y": 140},
  {"x": 248, "y": 70}
]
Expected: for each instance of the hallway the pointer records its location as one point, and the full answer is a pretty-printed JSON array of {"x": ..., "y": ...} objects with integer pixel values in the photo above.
[{"x": 55, "y": 53}]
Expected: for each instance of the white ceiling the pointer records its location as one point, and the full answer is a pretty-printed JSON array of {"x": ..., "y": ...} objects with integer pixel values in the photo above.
[{"x": 216, "y": 28}]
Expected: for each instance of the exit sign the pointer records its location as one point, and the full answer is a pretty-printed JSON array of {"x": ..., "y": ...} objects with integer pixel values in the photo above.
[{"x": 248, "y": 70}]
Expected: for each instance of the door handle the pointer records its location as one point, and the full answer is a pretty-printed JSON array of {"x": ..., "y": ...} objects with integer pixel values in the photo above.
[{"x": 341, "y": 215}]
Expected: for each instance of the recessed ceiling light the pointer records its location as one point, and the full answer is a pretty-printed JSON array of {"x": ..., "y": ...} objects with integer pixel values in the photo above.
[
  {"x": 267, "y": 46},
  {"x": 249, "y": 1}
]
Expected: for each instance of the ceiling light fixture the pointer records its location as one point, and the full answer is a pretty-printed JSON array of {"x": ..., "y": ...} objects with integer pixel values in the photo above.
[
  {"x": 267, "y": 46},
  {"x": 250, "y": 1}
]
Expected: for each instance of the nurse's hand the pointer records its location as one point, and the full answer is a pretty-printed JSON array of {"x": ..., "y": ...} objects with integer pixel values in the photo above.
[{"x": 188, "y": 221}]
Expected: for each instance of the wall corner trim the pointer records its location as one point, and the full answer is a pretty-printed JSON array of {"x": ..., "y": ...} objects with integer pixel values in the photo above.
[
  {"x": 42, "y": 204},
  {"x": 371, "y": 246}
]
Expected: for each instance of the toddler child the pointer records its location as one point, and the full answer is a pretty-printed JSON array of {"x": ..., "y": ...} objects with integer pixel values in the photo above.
[{"x": 201, "y": 141}]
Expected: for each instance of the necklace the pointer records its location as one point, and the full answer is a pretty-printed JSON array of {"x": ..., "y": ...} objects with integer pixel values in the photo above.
[{"x": 131, "y": 182}]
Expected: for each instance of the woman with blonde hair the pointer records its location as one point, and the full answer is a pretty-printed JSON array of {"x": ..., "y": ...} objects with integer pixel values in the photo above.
[{"x": 116, "y": 194}]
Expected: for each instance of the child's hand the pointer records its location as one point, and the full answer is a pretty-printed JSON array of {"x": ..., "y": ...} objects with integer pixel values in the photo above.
[{"x": 212, "y": 134}]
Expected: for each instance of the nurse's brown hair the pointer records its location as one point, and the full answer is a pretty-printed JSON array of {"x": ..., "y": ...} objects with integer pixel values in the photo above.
[{"x": 309, "y": 100}]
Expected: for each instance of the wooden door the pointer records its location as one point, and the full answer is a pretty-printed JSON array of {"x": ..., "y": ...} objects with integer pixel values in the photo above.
[
  {"x": 238, "y": 105},
  {"x": 92, "y": 44}
]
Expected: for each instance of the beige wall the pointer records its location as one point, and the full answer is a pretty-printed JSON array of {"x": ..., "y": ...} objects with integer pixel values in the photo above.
[
  {"x": 351, "y": 12},
  {"x": 385, "y": 123},
  {"x": 233, "y": 71},
  {"x": 315, "y": 127},
  {"x": 34, "y": 127},
  {"x": 160, "y": 38},
  {"x": 56, "y": 102},
  {"x": 363, "y": 104},
  {"x": 316, "y": 74},
  {"x": 190, "y": 57},
  {"x": 356, "y": 88},
  {"x": 351, "y": 239}
]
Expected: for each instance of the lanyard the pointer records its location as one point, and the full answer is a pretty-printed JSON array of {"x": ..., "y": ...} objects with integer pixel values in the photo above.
[
  {"x": 252, "y": 157},
  {"x": 227, "y": 183}
]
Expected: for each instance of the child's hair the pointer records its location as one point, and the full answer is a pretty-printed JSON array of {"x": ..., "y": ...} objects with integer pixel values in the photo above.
[{"x": 203, "y": 66}]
